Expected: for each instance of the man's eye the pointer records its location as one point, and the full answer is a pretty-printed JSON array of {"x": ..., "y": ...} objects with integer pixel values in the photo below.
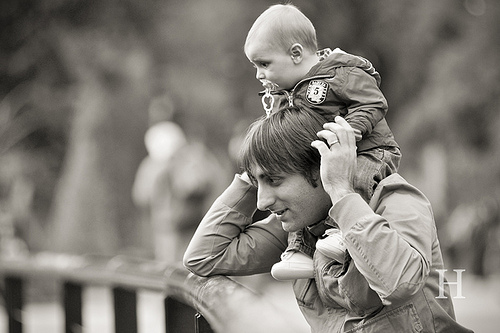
[
  {"x": 253, "y": 180},
  {"x": 274, "y": 180}
]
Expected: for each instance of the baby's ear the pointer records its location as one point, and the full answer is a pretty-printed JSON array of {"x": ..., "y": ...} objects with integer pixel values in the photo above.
[{"x": 296, "y": 52}]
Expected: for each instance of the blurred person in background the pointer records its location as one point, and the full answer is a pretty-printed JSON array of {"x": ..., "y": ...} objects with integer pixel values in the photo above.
[
  {"x": 388, "y": 281},
  {"x": 11, "y": 245},
  {"x": 174, "y": 187},
  {"x": 472, "y": 230}
]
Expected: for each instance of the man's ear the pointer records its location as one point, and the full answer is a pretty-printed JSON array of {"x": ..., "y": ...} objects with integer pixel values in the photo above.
[
  {"x": 296, "y": 51},
  {"x": 315, "y": 179}
]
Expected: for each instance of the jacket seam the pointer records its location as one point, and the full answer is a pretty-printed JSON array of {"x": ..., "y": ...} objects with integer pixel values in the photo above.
[
  {"x": 370, "y": 264},
  {"x": 430, "y": 310}
]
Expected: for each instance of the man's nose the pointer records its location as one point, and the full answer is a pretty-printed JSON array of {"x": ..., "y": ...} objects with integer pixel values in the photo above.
[{"x": 265, "y": 198}]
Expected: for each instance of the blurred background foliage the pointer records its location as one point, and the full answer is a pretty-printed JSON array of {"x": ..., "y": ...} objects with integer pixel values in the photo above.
[{"x": 81, "y": 81}]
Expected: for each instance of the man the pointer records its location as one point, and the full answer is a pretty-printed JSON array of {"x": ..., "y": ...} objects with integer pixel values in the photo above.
[{"x": 302, "y": 171}]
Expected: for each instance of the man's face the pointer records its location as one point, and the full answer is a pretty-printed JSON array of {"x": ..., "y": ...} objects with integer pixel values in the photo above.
[
  {"x": 294, "y": 201},
  {"x": 272, "y": 63}
]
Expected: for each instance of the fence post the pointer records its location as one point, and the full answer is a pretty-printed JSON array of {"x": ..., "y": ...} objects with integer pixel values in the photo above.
[
  {"x": 125, "y": 305},
  {"x": 179, "y": 317},
  {"x": 201, "y": 324},
  {"x": 14, "y": 303},
  {"x": 72, "y": 307}
]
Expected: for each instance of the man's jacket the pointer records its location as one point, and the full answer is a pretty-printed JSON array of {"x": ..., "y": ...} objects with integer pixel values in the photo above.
[{"x": 389, "y": 284}]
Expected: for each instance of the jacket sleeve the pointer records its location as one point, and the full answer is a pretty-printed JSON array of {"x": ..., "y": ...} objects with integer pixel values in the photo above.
[
  {"x": 390, "y": 242},
  {"x": 227, "y": 242},
  {"x": 366, "y": 105}
]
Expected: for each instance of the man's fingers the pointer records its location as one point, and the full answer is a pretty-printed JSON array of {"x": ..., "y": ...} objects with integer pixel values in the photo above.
[
  {"x": 343, "y": 130},
  {"x": 338, "y": 124},
  {"x": 342, "y": 122},
  {"x": 330, "y": 137},
  {"x": 357, "y": 134},
  {"x": 320, "y": 146}
]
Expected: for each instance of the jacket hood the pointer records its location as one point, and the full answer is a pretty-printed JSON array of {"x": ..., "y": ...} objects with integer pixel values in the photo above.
[{"x": 339, "y": 58}]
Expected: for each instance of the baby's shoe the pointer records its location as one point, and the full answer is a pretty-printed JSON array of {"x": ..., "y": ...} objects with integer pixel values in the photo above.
[
  {"x": 293, "y": 265},
  {"x": 332, "y": 245}
]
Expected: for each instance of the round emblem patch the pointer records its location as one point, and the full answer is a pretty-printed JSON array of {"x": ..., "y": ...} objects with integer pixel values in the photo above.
[{"x": 316, "y": 91}]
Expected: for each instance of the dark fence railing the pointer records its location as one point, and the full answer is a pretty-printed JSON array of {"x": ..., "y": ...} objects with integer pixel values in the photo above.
[{"x": 191, "y": 303}]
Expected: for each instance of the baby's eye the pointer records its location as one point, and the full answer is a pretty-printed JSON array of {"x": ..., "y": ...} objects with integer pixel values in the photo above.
[{"x": 264, "y": 64}]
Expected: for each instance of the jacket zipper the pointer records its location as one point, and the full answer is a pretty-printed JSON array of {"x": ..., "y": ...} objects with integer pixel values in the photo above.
[{"x": 289, "y": 94}]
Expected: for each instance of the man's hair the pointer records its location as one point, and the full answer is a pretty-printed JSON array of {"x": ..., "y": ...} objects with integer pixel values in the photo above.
[
  {"x": 281, "y": 143},
  {"x": 285, "y": 25}
]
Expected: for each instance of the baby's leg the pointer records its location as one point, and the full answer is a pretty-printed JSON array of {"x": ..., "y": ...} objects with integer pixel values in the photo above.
[
  {"x": 296, "y": 261},
  {"x": 372, "y": 166},
  {"x": 332, "y": 245}
]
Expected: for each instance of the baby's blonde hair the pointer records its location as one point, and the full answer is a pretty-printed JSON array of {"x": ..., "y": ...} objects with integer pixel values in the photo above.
[{"x": 284, "y": 26}]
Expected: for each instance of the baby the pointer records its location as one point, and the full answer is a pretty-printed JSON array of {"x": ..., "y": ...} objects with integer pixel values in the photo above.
[{"x": 282, "y": 46}]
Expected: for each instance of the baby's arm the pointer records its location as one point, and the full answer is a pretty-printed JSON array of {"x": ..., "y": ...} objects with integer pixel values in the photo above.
[{"x": 366, "y": 105}]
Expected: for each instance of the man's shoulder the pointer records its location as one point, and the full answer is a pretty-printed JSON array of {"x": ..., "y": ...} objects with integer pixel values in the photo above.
[
  {"x": 396, "y": 184},
  {"x": 393, "y": 182},
  {"x": 394, "y": 178}
]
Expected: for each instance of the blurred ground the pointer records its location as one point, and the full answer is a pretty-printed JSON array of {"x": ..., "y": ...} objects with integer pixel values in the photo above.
[{"x": 479, "y": 310}]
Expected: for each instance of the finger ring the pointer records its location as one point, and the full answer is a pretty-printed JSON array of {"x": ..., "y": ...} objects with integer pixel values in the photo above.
[{"x": 334, "y": 142}]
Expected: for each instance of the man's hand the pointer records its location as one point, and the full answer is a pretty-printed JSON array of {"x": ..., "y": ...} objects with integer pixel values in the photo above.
[
  {"x": 357, "y": 134},
  {"x": 338, "y": 158}
]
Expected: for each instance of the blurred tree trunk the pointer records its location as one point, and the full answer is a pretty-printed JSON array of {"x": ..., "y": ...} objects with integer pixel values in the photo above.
[{"x": 93, "y": 210}]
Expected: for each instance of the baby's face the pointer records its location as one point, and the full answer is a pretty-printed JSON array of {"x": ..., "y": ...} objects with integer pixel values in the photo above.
[{"x": 272, "y": 63}]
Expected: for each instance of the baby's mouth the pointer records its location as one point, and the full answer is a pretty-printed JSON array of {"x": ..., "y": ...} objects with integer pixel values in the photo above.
[{"x": 268, "y": 85}]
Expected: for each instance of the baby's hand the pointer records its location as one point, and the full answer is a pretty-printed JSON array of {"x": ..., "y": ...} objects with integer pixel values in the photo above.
[{"x": 357, "y": 134}]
